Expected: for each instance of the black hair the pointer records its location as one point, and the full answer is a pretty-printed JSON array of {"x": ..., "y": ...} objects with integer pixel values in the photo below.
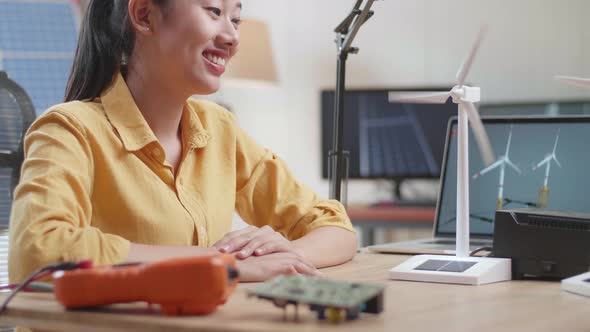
[{"x": 106, "y": 38}]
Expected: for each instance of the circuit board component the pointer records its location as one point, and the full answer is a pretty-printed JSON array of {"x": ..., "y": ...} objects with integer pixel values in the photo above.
[{"x": 330, "y": 299}]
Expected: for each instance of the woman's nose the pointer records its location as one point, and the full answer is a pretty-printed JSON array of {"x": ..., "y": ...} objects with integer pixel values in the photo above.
[{"x": 229, "y": 35}]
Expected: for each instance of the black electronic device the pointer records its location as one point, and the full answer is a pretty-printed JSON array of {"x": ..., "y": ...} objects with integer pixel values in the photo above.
[{"x": 542, "y": 243}]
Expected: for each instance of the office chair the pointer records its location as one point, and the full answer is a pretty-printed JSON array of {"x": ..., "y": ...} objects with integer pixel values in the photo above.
[{"x": 16, "y": 115}]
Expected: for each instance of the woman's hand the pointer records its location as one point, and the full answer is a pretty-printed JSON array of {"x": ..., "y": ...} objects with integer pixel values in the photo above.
[
  {"x": 261, "y": 268},
  {"x": 255, "y": 241}
]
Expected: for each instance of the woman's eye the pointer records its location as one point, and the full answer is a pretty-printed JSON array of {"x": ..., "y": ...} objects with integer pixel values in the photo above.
[
  {"x": 214, "y": 10},
  {"x": 236, "y": 21}
]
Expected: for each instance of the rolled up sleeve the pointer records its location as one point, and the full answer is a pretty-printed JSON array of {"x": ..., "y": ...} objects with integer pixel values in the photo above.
[
  {"x": 269, "y": 194},
  {"x": 52, "y": 209}
]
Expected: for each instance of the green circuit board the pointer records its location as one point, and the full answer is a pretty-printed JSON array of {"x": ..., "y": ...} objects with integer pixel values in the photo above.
[{"x": 321, "y": 292}]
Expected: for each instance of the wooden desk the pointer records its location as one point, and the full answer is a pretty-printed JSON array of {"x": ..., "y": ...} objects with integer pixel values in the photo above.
[
  {"x": 368, "y": 219},
  {"x": 409, "y": 306}
]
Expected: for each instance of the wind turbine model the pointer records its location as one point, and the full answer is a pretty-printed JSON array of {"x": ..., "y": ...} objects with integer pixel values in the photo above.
[
  {"x": 574, "y": 81},
  {"x": 544, "y": 191},
  {"x": 502, "y": 162},
  {"x": 461, "y": 268}
]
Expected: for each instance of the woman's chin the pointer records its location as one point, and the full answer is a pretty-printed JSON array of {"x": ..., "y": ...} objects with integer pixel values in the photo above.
[{"x": 206, "y": 88}]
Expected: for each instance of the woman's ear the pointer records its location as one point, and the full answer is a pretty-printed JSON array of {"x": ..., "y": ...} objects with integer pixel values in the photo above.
[{"x": 141, "y": 16}]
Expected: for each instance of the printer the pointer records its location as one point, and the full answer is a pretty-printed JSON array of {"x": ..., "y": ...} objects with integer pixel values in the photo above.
[{"x": 542, "y": 243}]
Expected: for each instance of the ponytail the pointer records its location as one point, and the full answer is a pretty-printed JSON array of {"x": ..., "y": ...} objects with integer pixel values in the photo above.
[{"x": 106, "y": 38}]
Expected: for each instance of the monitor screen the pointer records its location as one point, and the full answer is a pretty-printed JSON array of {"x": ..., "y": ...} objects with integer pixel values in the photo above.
[
  {"x": 387, "y": 140},
  {"x": 545, "y": 166}
]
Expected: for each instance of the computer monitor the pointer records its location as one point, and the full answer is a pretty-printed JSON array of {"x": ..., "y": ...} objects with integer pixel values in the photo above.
[{"x": 387, "y": 140}]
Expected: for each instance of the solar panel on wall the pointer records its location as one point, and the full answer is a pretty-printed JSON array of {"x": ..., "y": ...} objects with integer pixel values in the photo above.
[{"x": 37, "y": 45}]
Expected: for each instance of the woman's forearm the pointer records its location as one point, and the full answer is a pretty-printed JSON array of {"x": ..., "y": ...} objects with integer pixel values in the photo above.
[
  {"x": 148, "y": 253},
  {"x": 327, "y": 246}
]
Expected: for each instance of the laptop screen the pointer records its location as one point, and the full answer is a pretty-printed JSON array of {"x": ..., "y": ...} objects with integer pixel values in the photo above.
[{"x": 545, "y": 165}]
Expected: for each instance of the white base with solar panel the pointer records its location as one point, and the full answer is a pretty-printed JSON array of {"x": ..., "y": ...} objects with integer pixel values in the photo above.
[
  {"x": 579, "y": 284},
  {"x": 453, "y": 270}
]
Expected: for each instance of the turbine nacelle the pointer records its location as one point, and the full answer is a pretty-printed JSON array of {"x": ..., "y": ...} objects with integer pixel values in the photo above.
[{"x": 465, "y": 94}]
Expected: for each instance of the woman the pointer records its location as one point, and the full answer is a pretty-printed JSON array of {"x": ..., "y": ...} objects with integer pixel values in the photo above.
[{"x": 129, "y": 169}]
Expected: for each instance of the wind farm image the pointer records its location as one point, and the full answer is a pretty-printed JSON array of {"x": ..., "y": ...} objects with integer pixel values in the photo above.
[
  {"x": 544, "y": 191},
  {"x": 501, "y": 164},
  {"x": 529, "y": 154}
]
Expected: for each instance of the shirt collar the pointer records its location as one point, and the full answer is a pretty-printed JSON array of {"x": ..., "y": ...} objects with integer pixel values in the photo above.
[{"x": 134, "y": 131}]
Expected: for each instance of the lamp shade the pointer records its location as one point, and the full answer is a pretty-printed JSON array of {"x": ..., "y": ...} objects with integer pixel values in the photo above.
[{"x": 254, "y": 63}]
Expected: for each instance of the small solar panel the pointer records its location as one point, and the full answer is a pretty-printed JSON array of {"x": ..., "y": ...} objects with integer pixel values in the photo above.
[
  {"x": 444, "y": 266},
  {"x": 431, "y": 265}
]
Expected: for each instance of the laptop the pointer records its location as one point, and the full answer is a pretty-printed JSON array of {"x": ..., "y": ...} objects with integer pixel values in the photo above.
[{"x": 524, "y": 175}]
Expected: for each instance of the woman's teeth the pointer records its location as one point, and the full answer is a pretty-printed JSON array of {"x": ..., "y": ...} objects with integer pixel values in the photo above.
[{"x": 215, "y": 59}]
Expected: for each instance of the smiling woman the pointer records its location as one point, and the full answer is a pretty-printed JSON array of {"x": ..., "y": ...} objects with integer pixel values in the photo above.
[{"x": 130, "y": 169}]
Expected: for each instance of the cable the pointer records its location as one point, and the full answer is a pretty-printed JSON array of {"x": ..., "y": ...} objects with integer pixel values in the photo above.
[
  {"x": 42, "y": 273},
  {"x": 43, "y": 287},
  {"x": 481, "y": 249}
]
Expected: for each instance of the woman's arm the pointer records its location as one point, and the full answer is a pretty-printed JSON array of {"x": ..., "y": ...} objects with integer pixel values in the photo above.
[
  {"x": 324, "y": 246},
  {"x": 52, "y": 209},
  {"x": 327, "y": 246}
]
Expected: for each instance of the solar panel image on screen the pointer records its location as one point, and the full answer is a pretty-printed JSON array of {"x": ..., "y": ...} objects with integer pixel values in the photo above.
[
  {"x": 393, "y": 142},
  {"x": 37, "y": 44},
  {"x": 387, "y": 140}
]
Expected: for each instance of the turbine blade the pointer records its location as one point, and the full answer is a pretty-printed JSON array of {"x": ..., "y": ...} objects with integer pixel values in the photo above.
[
  {"x": 421, "y": 97},
  {"x": 483, "y": 141},
  {"x": 556, "y": 140},
  {"x": 542, "y": 162},
  {"x": 556, "y": 161},
  {"x": 489, "y": 168},
  {"x": 512, "y": 165},
  {"x": 466, "y": 67},
  {"x": 574, "y": 81},
  {"x": 508, "y": 143}
]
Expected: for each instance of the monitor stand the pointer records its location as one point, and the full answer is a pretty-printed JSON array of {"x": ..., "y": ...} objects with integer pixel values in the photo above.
[{"x": 401, "y": 201}]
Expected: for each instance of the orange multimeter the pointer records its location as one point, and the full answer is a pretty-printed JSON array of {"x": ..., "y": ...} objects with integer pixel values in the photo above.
[{"x": 181, "y": 286}]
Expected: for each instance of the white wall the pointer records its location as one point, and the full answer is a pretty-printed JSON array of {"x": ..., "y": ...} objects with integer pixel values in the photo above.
[{"x": 406, "y": 43}]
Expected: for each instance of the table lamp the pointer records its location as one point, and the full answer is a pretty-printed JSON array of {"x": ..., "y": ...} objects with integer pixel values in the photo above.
[{"x": 253, "y": 65}]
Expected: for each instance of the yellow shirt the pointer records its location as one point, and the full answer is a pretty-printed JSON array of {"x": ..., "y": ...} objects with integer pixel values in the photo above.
[{"x": 95, "y": 178}]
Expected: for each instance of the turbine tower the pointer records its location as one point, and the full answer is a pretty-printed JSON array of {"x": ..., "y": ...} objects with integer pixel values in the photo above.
[
  {"x": 544, "y": 191},
  {"x": 501, "y": 162}
]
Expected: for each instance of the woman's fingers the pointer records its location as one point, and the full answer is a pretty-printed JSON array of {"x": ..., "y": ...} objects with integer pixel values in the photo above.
[
  {"x": 253, "y": 244},
  {"x": 235, "y": 240},
  {"x": 272, "y": 247},
  {"x": 247, "y": 242}
]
